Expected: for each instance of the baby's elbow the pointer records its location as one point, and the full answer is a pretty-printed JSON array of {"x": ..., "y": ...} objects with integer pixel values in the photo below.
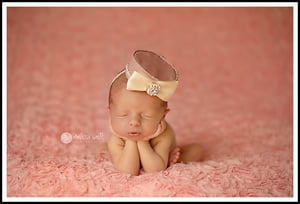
[
  {"x": 156, "y": 168},
  {"x": 131, "y": 171},
  {"x": 136, "y": 173}
]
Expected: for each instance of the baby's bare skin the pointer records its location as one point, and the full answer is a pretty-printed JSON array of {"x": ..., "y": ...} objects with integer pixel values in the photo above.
[
  {"x": 174, "y": 156},
  {"x": 138, "y": 139}
]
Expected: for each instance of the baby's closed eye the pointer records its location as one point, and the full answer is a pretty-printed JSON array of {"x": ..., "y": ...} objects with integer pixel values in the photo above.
[
  {"x": 122, "y": 115},
  {"x": 147, "y": 116}
]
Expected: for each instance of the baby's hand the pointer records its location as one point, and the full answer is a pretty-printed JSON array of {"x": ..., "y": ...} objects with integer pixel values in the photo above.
[
  {"x": 149, "y": 137},
  {"x": 124, "y": 138}
]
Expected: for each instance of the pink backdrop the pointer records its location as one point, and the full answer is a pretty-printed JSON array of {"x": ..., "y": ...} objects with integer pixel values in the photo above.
[{"x": 235, "y": 96}]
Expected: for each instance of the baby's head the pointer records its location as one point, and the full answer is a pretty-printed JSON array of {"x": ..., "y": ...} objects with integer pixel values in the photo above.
[
  {"x": 119, "y": 85},
  {"x": 138, "y": 100}
]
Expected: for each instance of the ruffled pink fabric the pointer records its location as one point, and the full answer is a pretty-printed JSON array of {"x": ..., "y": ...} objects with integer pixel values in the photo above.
[{"x": 234, "y": 97}]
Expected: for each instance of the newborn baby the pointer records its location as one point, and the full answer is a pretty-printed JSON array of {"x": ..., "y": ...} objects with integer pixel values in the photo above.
[{"x": 140, "y": 136}]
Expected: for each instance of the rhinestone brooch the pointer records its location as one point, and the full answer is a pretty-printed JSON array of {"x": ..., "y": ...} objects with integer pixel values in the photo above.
[{"x": 153, "y": 89}]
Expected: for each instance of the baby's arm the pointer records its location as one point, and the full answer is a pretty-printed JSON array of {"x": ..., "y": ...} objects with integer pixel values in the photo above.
[
  {"x": 124, "y": 154},
  {"x": 154, "y": 154}
]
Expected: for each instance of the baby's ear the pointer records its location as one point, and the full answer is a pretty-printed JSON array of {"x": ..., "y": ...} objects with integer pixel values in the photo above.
[
  {"x": 166, "y": 111},
  {"x": 109, "y": 109}
]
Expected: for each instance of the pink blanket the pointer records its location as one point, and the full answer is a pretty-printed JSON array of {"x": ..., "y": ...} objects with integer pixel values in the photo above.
[{"x": 235, "y": 97}]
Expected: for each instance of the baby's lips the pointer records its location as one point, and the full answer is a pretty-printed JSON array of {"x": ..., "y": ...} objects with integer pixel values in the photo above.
[{"x": 134, "y": 134}]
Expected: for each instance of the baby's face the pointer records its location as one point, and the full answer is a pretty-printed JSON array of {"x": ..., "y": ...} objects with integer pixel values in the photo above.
[{"x": 135, "y": 115}]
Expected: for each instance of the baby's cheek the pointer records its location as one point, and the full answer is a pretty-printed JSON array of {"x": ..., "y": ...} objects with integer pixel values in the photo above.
[
  {"x": 118, "y": 126},
  {"x": 150, "y": 127}
]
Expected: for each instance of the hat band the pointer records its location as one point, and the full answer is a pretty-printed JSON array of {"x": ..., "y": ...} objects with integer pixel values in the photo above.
[{"x": 140, "y": 82}]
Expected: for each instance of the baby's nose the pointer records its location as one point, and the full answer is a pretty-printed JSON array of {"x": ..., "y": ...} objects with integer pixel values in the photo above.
[{"x": 135, "y": 121}]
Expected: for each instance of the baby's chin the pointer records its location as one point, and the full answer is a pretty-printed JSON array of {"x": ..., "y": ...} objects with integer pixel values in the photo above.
[{"x": 137, "y": 136}]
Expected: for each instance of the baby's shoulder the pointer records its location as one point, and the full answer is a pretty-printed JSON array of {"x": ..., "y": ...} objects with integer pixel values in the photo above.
[
  {"x": 169, "y": 127},
  {"x": 167, "y": 135}
]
